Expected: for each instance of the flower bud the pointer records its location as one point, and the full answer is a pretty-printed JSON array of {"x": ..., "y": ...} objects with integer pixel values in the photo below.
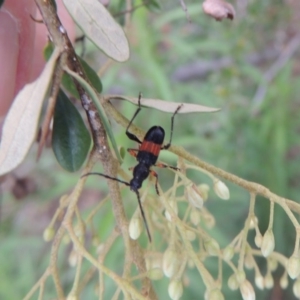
[
  {"x": 233, "y": 283},
  {"x": 249, "y": 262},
  {"x": 228, "y": 253},
  {"x": 208, "y": 220},
  {"x": 175, "y": 289},
  {"x": 259, "y": 281},
  {"x": 258, "y": 239},
  {"x": 296, "y": 288},
  {"x": 269, "y": 281},
  {"x": 247, "y": 291},
  {"x": 272, "y": 264},
  {"x": 204, "y": 189},
  {"x": 186, "y": 280},
  {"x": 191, "y": 264},
  {"x": 48, "y": 234},
  {"x": 194, "y": 196},
  {"x": 253, "y": 222},
  {"x": 155, "y": 274},
  {"x": 284, "y": 282},
  {"x": 100, "y": 249},
  {"x": 240, "y": 276},
  {"x": 73, "y": 258},
  {"x": 173, "y": 205},
  {"x": 170, "y": 262},
  {"x": 190, "y": 235},
  {"x": 268, "y": 243},
  {"x": 215, "y": 294},
  {"x": 66, "y": 239},
  {"x": 212, "y": 247},
  {"x": 153, "y": 263},
  {"x": 221, "y": 189},
  {"x": 135, "y": 227},
  {"x": 293, "y": 266},
  {"x": 195, "y": 217},
  {"x": 72, "y": 297}
]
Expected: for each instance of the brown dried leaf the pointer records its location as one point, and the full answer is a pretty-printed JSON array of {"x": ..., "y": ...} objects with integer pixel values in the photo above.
[
  {"x": 21, "y": 122},
  {"x": 218, "y": 9}
]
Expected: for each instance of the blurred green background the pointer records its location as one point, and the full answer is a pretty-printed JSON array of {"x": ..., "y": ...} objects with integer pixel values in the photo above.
[{"x": 248, "y": 67}]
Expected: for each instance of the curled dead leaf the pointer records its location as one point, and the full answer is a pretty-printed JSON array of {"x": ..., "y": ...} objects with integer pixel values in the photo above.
[{"x": 218, "y": 9}]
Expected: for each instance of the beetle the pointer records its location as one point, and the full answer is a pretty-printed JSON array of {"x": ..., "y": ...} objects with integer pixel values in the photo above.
[{"x": 147, "y": 156}]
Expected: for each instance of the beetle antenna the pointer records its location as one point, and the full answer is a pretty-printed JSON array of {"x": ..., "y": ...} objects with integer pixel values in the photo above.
[
  {"x": 106, "y": 176},
  {"x": 143, "y": 215},
  {"x": 137, "y": 194}
]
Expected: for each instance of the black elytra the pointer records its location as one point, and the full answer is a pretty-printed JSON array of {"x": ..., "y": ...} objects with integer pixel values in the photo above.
[{"x": 147, "y": 156}]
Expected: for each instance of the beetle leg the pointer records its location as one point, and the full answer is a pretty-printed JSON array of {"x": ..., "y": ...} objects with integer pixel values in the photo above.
[
  {"x": 153, "y": 173},
  {"x": 130, "y": 135},
  {"x": 172, "y": 126},
  {"x": 133, "y": 152}
]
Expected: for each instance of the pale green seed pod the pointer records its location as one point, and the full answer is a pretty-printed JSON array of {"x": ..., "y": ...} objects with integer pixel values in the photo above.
[
  {"x": 221, "y": 190},
  {"x": 175, "y": 289},
  {"x": 268, "y": 243}
]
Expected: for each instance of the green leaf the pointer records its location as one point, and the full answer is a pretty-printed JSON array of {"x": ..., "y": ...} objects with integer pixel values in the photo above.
[
  {"x": 153, "y": 5},
  {"x": 91, "y": 75},
  {"x": 1, "y": 2},
  {"x": 67, "y": 80},
  {"x": 100, "y": 109},
  {"x": 71, "y": 139}
]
